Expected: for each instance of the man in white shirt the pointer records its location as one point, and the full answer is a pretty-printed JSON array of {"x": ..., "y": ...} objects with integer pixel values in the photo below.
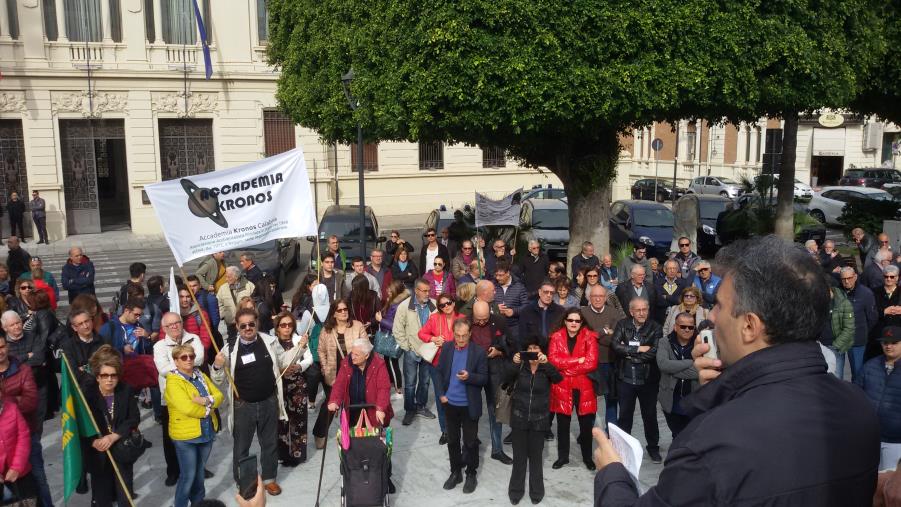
[{"x": 174, "y": 334}]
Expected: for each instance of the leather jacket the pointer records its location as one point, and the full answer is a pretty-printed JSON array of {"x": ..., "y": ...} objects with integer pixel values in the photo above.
[{"x": 634, "y": 367}]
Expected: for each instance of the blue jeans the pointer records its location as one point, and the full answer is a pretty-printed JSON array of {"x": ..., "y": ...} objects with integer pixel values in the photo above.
[
  {"x": 36, "y": 457},
  {"x": 497, "y": 444},
  {"x": 191, "y": 460},
  {"x": 156, "y": 402},
  {"x": 416, "y": 381},
  {"x": 855, "y": 358},
  {"x": 839, "y": 362},
  {"x": 439, "y": 407}
]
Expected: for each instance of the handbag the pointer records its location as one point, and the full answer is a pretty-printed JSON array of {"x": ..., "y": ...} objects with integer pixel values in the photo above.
[
  {"x": 20, "y": 498},
  {"x": 129, "y": 448},
  {"x": 386, "y": 345},
  {"x": 139, "y": 371},
  {"x": 428, "y": 351},
  {"x": 503, "y": 401}
]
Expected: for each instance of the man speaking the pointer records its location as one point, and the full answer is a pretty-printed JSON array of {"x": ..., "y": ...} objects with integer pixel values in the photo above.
[{"x": 770, "y": 426}]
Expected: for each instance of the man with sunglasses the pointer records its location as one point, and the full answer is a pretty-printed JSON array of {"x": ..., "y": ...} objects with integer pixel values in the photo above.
[
  {"x": 707, "y": 282},
  {"x": 678, "y": 377},
  {"x": 255, "y": 361},
  {"x": 431, "y": 249},
  {"x": 865, "y": 317},
  {"x": 460, "y": 263},
  {"x": 174, "y": 334},
  {"x": 686, "y": 258}
]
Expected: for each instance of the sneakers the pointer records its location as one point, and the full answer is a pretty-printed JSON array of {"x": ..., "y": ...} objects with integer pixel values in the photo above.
[
  {"x": 655, "y": 455},
  {"x": 470, "y": 484},
  {"x": 408, "y": 418},
  {"x": 424, "y": 412},
  {"x": 503, "y": 458},
  {"x": 452, "y": 481}
]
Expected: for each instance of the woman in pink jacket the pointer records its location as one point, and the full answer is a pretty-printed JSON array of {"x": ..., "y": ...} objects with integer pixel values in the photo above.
[
  {"x": 439, "y": 329},
  {"x": 15, "y": 445}
]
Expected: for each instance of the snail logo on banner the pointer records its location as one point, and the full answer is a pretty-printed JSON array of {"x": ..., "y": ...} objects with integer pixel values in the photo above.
[{"x": 235, "y": 208}]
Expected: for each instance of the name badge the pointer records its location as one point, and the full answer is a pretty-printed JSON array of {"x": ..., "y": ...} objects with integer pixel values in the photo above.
[
  {"x": 248, "y": 358},
  {"x": 632, "y": 343}
]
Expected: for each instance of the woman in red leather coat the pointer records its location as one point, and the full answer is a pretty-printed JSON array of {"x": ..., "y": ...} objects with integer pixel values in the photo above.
[{"x": 573, "y": 350}]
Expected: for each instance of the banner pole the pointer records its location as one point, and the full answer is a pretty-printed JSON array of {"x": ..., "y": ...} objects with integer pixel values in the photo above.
[
  {"x": 84, "y": 401},
  {"x": 296, "y": 351},
  {"x": 209, "y": 330}
]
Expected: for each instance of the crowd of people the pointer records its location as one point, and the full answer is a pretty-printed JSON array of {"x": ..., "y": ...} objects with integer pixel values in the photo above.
[{"x": 525, "y": 341}]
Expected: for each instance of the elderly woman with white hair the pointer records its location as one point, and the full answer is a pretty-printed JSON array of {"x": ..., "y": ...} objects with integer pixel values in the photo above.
[
  {"x": 230, "y": 293},
  {"x": 363, "y": 379}
]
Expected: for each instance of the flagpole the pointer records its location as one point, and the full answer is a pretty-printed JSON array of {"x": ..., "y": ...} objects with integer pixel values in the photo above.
[
  {"x": 209, "y": 330},
  {"x": 96, "y": 428},
  {"x": 296, "y": 350}
]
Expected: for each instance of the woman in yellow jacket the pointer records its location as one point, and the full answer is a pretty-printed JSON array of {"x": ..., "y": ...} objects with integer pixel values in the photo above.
[{"x": 191, "y": 397}]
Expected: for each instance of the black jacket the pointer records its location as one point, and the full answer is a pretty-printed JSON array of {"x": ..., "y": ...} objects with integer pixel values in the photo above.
[
  {"x": 625, "y": 292},
  {"x": 530, "y": 320},
  {"x": 18, "y": 262},
  {"x": 476, "y": 366},
  {"x": 442, "y": 252},
  {"x": 634, "y": 367},
  {"x": 125, "y": 411},
  {"x": 407, "y": 276},
  {"x": 773, "y": 429},
  {"x": 16, "y": 209},
  {"x": 578, "y": 262},
  {"x": 78, "y": 352},
  {"x": 663, "y": 300},
  {"x": 531, "y": 394},
  {"x": 500, "y": 339},
  {"x": 533, "y": 270}
]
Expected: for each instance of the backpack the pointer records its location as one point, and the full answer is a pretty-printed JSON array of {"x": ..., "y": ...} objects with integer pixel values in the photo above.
[{"x": 314, "y": 337}]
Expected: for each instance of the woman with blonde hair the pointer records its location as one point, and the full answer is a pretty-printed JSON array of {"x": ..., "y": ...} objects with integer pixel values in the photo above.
[
  {"x": 465, "y": 293},
  {"x": 690, "y": 303}
]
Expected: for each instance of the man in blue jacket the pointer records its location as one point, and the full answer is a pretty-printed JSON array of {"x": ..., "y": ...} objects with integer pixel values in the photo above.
[
  {"x": 881, "y": 381},
  {"x": 865, "y": 317},
  {"x": 707, "y": 282},
  {"x": 462, "y": 373}
]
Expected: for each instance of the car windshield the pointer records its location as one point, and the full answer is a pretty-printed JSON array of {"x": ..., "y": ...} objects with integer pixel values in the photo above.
[
  {"x": 556, "y": 219},
  {"x": 727, "y": 181},
  {"x": 658, "y": 217},
  {"x": 348, "y": 231},
  {"x": 711, "y": 209},
  {"x": 879, "y": 196}
]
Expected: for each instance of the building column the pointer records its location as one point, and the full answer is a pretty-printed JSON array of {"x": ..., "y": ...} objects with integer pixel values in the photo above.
[
  {"x": 158, "y": 20},
  {"x": 4, "y": 22},
  {"x": 105, "y": 24},
  {"x": 62, "y": 35}
]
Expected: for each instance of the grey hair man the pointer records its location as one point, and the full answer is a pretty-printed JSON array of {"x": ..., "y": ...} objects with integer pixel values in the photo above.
[
  {"x": 230, "y": 294},
  {"x": 872, "y": 273},
  {"x": 638, "y": 286},
  {"x": 533, "y": 267}
]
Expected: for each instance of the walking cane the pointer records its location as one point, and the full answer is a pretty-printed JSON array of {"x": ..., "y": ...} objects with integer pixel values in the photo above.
[{"x": 322, "y": 466}]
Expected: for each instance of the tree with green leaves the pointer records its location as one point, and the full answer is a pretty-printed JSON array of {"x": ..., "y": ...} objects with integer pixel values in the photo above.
[
  {"x": 553, "y": 83},
  {"x": 882, "y": 94}
]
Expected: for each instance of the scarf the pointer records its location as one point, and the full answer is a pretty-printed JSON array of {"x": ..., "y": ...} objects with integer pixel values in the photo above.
[{"x": 402, "y": 265}]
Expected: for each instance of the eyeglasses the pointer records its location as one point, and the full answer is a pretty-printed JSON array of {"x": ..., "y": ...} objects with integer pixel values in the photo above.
[
  {"x": 847, "y": 278},
  {"x": 467, "y": 248},
  {"x": 341, "y": 310},
  {"x": 430, "y": 235},
  {"x": 439, "y": 264},
  {"x": 889, "y": 276},
  {"x": 187, "y": 357},
  {"x": 686, "y": 328},
  {"x": 703, "y": 269},
  {"x": 574, "y": 321},
  {"x": 26, "y": 287},
  {"x": 285, "y": 325},
  {"x": 883, "y": 242},
  {"x": 547, "y": 291},
  {"x": 248, "y": 325},
  {"x": 445, "y": 304},
  {"x": 107, "y": 376},
  {"x": 684, "y": 244},
  {"x": 592, "y": 276}
]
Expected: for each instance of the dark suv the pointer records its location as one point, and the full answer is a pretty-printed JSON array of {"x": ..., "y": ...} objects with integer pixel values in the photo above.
[
  {"x": 869, "y": 177},
  {"x": 645, "y": 190},
  {"x": 344, "y": 222}
]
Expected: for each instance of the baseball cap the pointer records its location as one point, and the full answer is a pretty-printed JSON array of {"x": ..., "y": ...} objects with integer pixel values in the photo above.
[{"x": 890, "y": 334}]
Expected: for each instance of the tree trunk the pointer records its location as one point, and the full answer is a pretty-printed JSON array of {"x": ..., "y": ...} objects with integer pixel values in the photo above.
[
  {"x": 587, "y": 178},
  {"x": 785, "y": 211}
]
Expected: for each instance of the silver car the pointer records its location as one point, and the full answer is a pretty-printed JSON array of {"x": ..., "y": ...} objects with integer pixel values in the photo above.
[{"x": 716, "y": 185}]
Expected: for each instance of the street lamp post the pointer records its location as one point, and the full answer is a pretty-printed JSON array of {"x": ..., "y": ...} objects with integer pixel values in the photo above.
[{"x": 346, "y": 80}]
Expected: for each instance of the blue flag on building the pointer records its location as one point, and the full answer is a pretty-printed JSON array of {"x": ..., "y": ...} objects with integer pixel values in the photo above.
[{"x": 203, "y": 40}]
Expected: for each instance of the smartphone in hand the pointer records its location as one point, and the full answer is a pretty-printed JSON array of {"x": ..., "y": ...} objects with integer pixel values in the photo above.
[{"x": 525, "y": 355}]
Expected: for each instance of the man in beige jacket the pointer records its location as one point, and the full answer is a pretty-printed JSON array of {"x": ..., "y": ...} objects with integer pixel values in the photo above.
[
  {"x": 412, "y": 313},
  {"x": 229, "y": 295}
]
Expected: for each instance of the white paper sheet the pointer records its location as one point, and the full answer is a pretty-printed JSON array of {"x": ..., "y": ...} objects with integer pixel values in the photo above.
[{"x": 628, "y": 448}]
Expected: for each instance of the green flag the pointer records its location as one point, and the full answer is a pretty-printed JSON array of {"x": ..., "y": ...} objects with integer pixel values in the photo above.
[{"x": 76, "y": 423}]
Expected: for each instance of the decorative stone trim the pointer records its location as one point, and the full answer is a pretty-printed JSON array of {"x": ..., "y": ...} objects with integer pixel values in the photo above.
[{"x": 175, "y": 103}]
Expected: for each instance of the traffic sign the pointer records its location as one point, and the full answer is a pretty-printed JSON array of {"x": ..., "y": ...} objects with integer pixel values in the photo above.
[{"x": 657, "y": 144}]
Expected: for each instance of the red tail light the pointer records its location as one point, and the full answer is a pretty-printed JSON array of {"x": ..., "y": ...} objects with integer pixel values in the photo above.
[{"x": 862, "y": 181}]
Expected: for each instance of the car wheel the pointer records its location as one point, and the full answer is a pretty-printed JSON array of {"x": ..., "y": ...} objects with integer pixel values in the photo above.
[
  {"x": 818, "y": 215},
  {"x": 724, "y": 194}
]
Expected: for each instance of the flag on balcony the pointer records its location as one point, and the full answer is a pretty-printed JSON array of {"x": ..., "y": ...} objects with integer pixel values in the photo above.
[{"x": 203, "y": 41}]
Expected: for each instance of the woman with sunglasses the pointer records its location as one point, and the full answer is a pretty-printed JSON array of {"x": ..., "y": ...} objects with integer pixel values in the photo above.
[
  {"x": 678, "y": 376},
  {"x": 440, "y": 280},
  {"x": 404, "y": 269},
  {"x": 292, "y": 434},
  {"x": 193, "y": 422},
  {"x": 115, "y": 410},
  {"x": 335, "y": 340},
  {"x": 592, "y": 278},
  {"x": 690, "y": 303},
  {"x": 439, "y": 329},
  {"x": 573, "y": 350}
]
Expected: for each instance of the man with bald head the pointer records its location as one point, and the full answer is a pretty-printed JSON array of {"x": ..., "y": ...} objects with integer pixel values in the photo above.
[
  {"x": 174, "y": 334},
  {"x": 489, "y": 332},
  {"x": 78, "y": 274},
  {"x": 484, "y": 292}
]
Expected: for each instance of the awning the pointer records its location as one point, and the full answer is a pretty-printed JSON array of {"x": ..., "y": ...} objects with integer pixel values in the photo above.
[{"x": 829, "y": 142}]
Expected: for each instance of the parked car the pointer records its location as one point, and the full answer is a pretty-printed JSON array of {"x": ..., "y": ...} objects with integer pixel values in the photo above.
[
  {"x": 709, "y": 209},
  {"x": 750, "y": 202},
  {"x": 802, "y": 190},
  {"x": 646, "y": 190},
  {"x": 344, "y": 222},
  {"x": 276, "y": 257},
  {"x": 827, "y": 204},
  {"x": 549, "y": 192},
  {"x": 547, "y": 220},
  {"x": 874, "y": 177},
  {"x": 644, "y": 222},
  {"x": 717, "y": 185}
]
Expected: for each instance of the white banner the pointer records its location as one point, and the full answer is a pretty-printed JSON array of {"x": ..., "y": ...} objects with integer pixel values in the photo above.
[
  {"x": 498, "y": 212},
  {"x": 235, "y": 208}
]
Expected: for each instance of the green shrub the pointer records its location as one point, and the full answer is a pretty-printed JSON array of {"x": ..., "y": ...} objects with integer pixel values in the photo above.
[{"x": 868, "y": 214}]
